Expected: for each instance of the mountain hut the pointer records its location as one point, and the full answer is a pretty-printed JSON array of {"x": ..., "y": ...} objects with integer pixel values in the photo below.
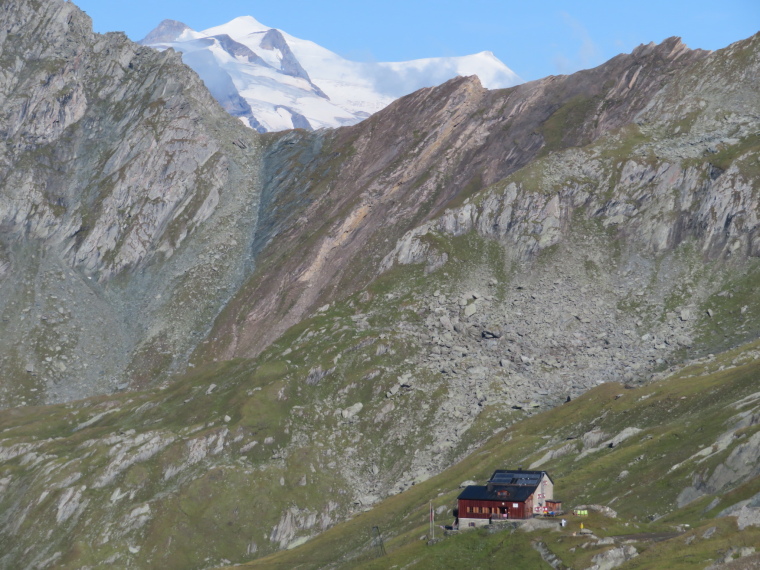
[{"x": 507, "y": 495}]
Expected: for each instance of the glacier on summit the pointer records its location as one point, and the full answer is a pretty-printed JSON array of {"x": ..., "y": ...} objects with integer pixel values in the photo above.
[{"x": 273, "y": 81}]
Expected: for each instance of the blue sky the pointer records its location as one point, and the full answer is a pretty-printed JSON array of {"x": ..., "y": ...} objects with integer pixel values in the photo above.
[{"x": 535, "y": 38}]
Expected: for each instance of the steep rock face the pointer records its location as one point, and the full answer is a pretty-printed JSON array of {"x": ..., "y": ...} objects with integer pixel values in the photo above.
[
  {"x": 273, "y": 40},
  {"x": 49, "y": 98},
  {"x": 657, "y": 204},
  {"x": 369, "y": 184},
  {"x": 117, "y": 170},
  {"x": 685, "y": 169}
]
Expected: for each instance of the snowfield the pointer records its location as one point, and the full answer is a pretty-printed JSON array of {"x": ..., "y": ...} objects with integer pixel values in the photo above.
[{"x": 273, "y": 81}]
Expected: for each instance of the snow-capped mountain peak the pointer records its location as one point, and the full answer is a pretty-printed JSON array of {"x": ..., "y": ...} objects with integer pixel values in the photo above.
[
  {"x": 273, "y": 81},
  {"x": 238, "y": 27}
]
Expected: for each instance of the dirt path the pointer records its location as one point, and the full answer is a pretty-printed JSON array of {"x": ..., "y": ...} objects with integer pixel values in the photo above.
[{"x": 653, "y": 536}]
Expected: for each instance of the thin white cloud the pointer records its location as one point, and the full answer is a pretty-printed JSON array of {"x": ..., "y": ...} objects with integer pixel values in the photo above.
[{"x": 588, "y": 53}]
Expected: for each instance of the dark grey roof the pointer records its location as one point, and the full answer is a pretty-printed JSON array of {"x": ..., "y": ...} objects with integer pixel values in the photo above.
[
  {"x": 509, "y": 477},
  {"x": 481, "y": 493}
]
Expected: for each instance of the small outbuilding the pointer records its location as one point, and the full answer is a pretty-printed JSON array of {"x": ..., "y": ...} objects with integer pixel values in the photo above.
[{"x": 507, "y": 495}]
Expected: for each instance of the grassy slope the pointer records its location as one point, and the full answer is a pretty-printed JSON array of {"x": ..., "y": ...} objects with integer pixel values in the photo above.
[
  {"x": 679, "y": 416},
  {"x": 236, "y": 497}
]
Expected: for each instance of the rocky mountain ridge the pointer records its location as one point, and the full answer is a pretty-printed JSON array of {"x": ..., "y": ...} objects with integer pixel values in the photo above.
[
  {"x": 377, "y": 191},
  {"x": 114, "y": 154}
]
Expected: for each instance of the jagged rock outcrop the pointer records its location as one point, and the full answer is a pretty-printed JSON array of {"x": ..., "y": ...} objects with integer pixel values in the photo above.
[
  {"x": 125, "y": 190},
  {"x": 654, "y": 208}
]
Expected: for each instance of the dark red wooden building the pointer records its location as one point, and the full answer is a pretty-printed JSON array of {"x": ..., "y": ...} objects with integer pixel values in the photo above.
[{"x": 507, "y": 495}]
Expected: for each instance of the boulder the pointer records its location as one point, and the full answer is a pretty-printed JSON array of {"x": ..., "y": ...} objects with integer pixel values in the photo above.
[
  {"x": 492, "y": 331},
  {"x": 351, "y": 411},
  {"x": 614, "y": 557}
]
